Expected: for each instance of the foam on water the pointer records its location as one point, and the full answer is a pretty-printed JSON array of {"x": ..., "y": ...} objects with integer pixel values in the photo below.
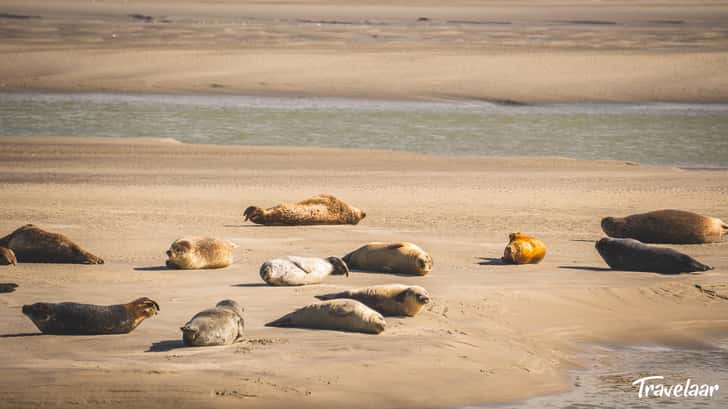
[
  {"x": 607, "y": 382},
  {"x": 692, "y": 135}
]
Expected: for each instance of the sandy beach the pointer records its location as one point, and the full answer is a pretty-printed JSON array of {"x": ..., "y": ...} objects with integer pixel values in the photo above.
[
  {"x": 523, "y": 51},
  {"x": 493, "y": 332}
]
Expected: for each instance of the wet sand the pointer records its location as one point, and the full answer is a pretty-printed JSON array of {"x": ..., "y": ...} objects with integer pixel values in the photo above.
[
  {"x": 493, "y": 332},
  {"x": 546, "y": 51}
]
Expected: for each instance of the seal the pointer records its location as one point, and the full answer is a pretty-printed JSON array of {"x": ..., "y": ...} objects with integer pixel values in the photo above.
[
  {"x": 70, "y": 318},
  {"x": 222, "y": 325},
  {"x": 523, "y": 249},
  {"x": 632, "y": 255},
  {"x": 391, "y": 299},
  {"x": 322, "y": 209},
  {"x": 293, "y": 270},
  {"x": 398, "y": 258},
  {"x": 32, "y": 244},
  {"x": 666, "y": 226},
  {"x": 7, "y": 287},
  {"x": 193, "y": 253},
  {"x": 7, "y": 257},
  {"x": 339, "y": 315}
]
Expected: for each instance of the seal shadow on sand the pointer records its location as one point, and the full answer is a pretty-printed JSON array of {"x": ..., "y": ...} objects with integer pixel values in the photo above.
[
  {"x": 164, "y": 346},
  {"x": 590, "y": 268},
  {"x": 251, "y": 285},
  {"x": 491, "y": 261},
  {"x": 152, "y": 268},
  {"x": 389, "y": 273},
  {"x": 22, "y": 335}
]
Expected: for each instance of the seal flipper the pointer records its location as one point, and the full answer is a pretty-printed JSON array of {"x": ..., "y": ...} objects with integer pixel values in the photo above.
[
  {"x": 331, "y": 296},
  {"x": 284, "y": 321}
]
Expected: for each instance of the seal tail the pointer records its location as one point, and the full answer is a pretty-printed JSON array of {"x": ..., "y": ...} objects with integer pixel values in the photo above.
[{"x": 284, "y": 321}]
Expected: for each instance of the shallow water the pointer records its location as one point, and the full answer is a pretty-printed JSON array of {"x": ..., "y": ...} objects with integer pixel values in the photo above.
[
  {"x": 607, "y": 383},
  {"x": 668, "y": 134}
]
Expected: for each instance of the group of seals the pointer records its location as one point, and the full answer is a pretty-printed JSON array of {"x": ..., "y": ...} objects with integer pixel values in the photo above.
[
  {"x": 221, "y": 325},
  {"x": 523, "y": 249},
  {"x": 192, "y": 253},
  {"x": 627, "y": 251},
  {"x": 359, "y": 310},
  {"x": 293, "y": 270},
  {"x": 322, "y": 209},
  {"x": 72, "y": 318},
  {"x": 31, "y": 244}
]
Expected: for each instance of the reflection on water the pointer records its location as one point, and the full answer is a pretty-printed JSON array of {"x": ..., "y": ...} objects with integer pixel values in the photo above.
[
  {"x": 670, "y": 134},
  {"x": 607, "y": 383}
]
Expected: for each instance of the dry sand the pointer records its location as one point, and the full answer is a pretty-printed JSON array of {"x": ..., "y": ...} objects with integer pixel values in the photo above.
[
  {"x": 528, "y": 51},
  {"x": 493, "y": 333}
]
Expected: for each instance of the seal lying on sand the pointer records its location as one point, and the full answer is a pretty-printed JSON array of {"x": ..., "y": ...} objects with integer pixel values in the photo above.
[
  {"x": 7, "y": 287},
  {"x": 294, "y": 270},
  {"x": 32, "y": 244},
  {"x": 666, "y": 226},
  {"x": 401, "y": 258},
  {"x": 192, "y": 253},
  {"x": 341, "y": 315},
  {"x": 7, "y": 257},
  {"x": 322, "y": 209},
  {"x": 632, "y": 255},
  {"x": 87, "y": 319},
  {"x": 523, "y": 249},
  {"x": 391, "y": 299},
  {"x": 221, "y": 325}
]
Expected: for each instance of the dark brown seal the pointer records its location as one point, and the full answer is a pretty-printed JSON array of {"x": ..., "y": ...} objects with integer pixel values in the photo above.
[
  {"x": 88, "y": 319},
  {"x": 666, "y": 226},
  {"x": 632, "y": 255},
  {"x": 322, "y": 209},
  {"x": 7, "y": 257},
  {"x": 32, "y": 244},
  {"x": 7, "y": 287}
]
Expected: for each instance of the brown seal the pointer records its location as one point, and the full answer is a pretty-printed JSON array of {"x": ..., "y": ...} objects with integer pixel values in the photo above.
[
  {"x": 523, "y": 249},
  {"x": 193, "y": 253},
  {"x": 397, "y": 258},
  {"x": 390, "y": 299},
  {"x": 32, "y": 244},
  {"x": 78, "y": 319},
  {"x": 632, "y": 255},
  {"x": 7, "y": 257},
  {"x": 322, "y": 209},
  {"x": 666, "y": 226}
]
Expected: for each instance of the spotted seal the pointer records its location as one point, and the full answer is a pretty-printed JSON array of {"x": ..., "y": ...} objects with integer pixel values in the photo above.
[
  {"x": 193, "y": 253},
  {"x": 293, "y": 270},
  {"x": 398, "y": 258},
  {"x": 340, "y": 315},
  {"x": 31, "y": 244},
  {"x": 389, "y": 299},
  {"x": 666, "y": 226},
  {"x": 73, "y": 318},
  {"x": 322, "y": 209},
  {"x": 633, "y": 255},
  {"x": 221, "y": 325}
]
